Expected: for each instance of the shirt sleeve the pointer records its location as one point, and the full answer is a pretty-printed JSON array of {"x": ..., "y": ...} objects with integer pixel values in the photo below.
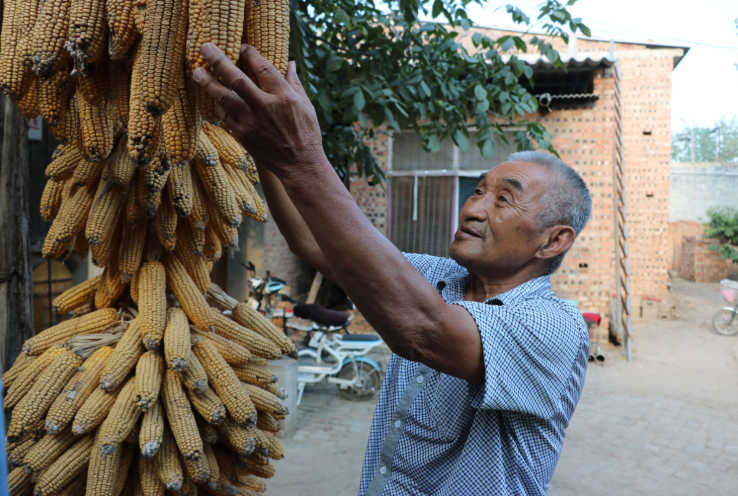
[
  {"x": 430, "y": 267},
  {"x": 530, "y": 355}
]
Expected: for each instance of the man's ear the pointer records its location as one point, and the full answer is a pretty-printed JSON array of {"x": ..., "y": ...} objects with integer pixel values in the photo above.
[{"x": 558, "y": 240}]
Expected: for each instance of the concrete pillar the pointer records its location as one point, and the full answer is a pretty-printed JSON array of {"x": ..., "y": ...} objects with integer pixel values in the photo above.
[{"x": 286, "y": 370}]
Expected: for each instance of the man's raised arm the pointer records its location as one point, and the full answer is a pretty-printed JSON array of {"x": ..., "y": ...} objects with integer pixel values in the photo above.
[{"x": 277, "y": 124}]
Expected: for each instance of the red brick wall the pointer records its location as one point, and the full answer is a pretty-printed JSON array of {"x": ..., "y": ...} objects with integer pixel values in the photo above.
[
  {"x": 282, "y": 263},
  {"x": 699, "y": 263},
  {"x": 677, "y": 231}
]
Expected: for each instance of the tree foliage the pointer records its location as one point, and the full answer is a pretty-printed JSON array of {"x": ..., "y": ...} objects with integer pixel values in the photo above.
[
  {"x": 365, "y": 62},
  {"x": 719, "y": 142},
  {"x": 723, "y": 225}
]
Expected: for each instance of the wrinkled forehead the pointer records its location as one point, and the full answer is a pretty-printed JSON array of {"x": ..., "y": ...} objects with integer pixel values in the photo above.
[{"x": 523, "y": 176}]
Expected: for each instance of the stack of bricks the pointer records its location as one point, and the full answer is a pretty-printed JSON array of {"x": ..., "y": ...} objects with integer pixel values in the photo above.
[{"x": 699, "y": 263}]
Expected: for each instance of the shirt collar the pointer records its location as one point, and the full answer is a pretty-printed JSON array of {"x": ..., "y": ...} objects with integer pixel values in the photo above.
[{"x": 452, "y": 287}]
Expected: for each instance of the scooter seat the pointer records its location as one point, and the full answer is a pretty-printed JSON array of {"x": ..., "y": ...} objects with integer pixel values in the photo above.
[{"x": 361, "y": 337}]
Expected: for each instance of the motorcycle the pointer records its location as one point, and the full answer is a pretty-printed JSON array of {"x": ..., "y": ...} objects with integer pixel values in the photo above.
[{"x": 725, "y": 321}]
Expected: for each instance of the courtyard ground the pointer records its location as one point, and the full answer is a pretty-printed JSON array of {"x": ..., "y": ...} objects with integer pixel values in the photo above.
[{"x": 664, "y": 424}]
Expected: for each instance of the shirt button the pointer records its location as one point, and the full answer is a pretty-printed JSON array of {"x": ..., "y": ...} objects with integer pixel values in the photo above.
[
  {"x": 398, "y": 423},
  {"x": 382, "y": 470},
  {"x": 419, "y": 379}
]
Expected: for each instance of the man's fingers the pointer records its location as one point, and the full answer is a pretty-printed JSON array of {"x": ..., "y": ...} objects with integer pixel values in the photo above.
[
  {"x": 294, "y": 81},
  {"x": 265, "y": 73},
  {"x": 231, "y": 75},
  {"x": 223, "y": 96}
]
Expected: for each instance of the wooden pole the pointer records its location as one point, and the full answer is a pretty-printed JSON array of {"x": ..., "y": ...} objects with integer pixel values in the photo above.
[{"x": 16, "y": 278}]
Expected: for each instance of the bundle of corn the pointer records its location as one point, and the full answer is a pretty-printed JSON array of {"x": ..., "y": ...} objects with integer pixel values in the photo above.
[{"x": 147, "y": 387}]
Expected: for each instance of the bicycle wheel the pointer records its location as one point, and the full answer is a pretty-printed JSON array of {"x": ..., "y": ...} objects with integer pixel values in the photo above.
[
  {"x": 369, "y": 380},
  {"x": 725, "y": 322}
]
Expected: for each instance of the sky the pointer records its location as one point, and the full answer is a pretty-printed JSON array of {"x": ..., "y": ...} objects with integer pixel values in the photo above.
[{"x": 705, "y": 83}]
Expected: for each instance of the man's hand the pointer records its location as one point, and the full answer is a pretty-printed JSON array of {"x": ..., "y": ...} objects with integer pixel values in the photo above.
[{"x": 272, "y": 116}]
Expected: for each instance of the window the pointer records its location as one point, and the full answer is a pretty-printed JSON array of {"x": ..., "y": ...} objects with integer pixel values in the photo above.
[{"x": 427, "y": 190}]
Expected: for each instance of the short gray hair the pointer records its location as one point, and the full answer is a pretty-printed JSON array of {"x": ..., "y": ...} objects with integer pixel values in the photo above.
[{"x": 566, "y": 202}]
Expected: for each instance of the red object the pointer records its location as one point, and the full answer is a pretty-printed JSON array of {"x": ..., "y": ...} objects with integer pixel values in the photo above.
[
  {"x": 594, "y": 317},
  {"x": 651, "y": 298}
]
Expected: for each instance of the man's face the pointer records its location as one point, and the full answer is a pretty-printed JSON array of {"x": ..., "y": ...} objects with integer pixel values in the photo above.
[{"x": 497, "y": 226}]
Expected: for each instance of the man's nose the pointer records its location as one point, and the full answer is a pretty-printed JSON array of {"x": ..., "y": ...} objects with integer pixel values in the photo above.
[{"x": 475, "y": 209}]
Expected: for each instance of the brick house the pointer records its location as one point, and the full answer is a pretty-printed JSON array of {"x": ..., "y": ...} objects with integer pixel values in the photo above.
[{"x": 418, "y": 210}]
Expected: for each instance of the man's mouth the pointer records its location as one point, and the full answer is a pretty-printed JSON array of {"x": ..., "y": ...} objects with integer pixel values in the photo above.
[{"x": 465, "y": 232}]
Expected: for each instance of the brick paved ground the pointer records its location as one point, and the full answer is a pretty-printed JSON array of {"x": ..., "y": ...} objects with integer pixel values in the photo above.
[{"x": 665, "y": 424}]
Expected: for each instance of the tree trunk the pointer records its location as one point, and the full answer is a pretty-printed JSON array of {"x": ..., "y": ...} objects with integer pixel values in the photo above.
[{"x": 16, "y": 278}]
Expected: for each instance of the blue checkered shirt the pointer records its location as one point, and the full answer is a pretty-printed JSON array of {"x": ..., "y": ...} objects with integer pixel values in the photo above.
[{"x": 434, "y": 434}]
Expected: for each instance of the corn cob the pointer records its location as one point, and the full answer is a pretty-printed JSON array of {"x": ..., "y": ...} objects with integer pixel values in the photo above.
[
  {"x": 45, "y": 50},
  {"x": 19, "y": 482},
  {"x": 155, "y": 181},
  {"x": 126, "y": 461},
  {"x": 122, "y": 27},
  {"x": 16, "y": 455},
  {"x": 113, "y": 283},
  {"x": 225, "y": 383},
  {"x": 258, "y": 375},
  {"x": 22, "y": 361},
  {"x": 23, "y": 384},
  {"x": 208, "y": 405},
  {"x": 68, "y": 466},
  {"x": 66, "y": 128},
  {"x": 96, "y": 123},
  {"x": 139, "y": 14},
  {"x": 144, "y": 131},
  {"x": 81, "y": 246},
  {"x": 96, "y": 83},
  {"x": 109, "y": 288},
  {"x": 77, "y": 390},
  {"x": 151, "y": 485},
  {"x": 75, "y": 488},
  {"x": 177, "y": 340},
  {"x": 167, "y": 463},
  {"x": 260, "y": 470},
  {"x": 106, "y": 253},
  {"x": 232, "y": 352},
  {"x": 51, "y": 199},
  {"x": 255, "y": 343},
  {"x": 251, "y": 483},
  {"x": 53, "y": 248},
  {"x": 148, "y": 379},
  {"x": 105, "y": 212},
  {"x": 87, "y": 171},
  {"x": 190, "y": 239},
  {"x": 131, "y": 250},
  {"x": 261, "y": 445},
  {"x": 196, "y": 470},
  {"x": 196, "y": 268},
  {"x": 14, "y": 76},
  {"x": 103, "y": 473},
  {"x": 266, "y": 401},
  {"x": 240, "y": 438},
  {"x": 93, "y": 411},
  {"x": 133, "y": 287},
  {"x": 88, "y": 324},
  {"x": 162, "y": 54},
  {"x": 207, "y": 432},
  {"x": 152, "y": 430},
  {"x": 46, "y": 450},
  {"x": 182, "y": 124},
  {"x": 214, "y": 470},
  {"x": 230, "y": 151},
  {"x": 153, "y": 306},
  {"x": 243, "y": 196},
  {"x": 194, "y": 376},
  {"x": 180, "y": 189},
  {"x": 258, "y": 211},
  {"x": 28, "y": 105},
  {"x": 75, "y": 296},
  {"x": 134, "y": 208},
  {"x": 120, "y": 420},
  {"x": 226, "y": 233},
  {"x": 220, "y": 191},
  {"x": 119, "y": 93},
  {"x": 250, "y": 318},
  {"x": 276, "y": 390},
  {"x": 184, "y": 289},
  {"x": 200, "y": 209},
  {"x": 276, "y": 451},
  {"x": 88, "y": 33},
  {"x": 121, "y": 167},
  {"x": 166, "y": 222},
  {"x": 63, "y": 166},
  {"x": 268, "y": 30},
  {"x": 124, "y": 358},
  {"x": 212, "y": 250},
  {"x": 181, "y": 419},
  {"x": 32, "y": 408}
]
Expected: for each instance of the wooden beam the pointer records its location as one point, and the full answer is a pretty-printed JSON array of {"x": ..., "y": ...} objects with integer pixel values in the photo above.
[{"x": 16, "y": 281}]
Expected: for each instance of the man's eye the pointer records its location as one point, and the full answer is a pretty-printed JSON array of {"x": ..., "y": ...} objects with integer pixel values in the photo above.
[
  {"x": 477, "y": 191},
  {"x": 502, "y": 198}
]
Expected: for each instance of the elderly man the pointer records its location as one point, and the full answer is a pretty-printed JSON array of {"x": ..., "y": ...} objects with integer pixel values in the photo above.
[{"x": 488, "y": 363}]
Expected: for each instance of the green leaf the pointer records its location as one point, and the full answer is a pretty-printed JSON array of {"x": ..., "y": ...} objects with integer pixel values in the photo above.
[
  {"x": 488, "y": 149},
  {"x": 334, "y": 63},
  {"x": 359, "y": 100},
  {"x": 480, "y": 92},
  {"x": 437, "y": 8},
  {"x": 425, "y": 88},
  {"x": 461, "y": 140},
  {"x": 477, "y": 39},
  {"x": 433, "y": 143}
]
